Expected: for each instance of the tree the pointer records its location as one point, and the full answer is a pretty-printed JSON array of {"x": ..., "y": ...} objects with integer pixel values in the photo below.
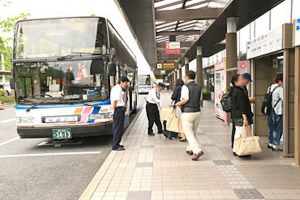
[{"x": 6, "y": 38}]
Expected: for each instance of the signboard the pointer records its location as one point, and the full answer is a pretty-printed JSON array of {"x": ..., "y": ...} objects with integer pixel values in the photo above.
[
  {"x": 172, "y": 48},
  {"x": 159, "y": 66},
  {"x": 243, "y": 66},
  {"x": 265, "y": 44},
  {"x": 297, "y": 32},
  {"x": 168, "y": 66}
]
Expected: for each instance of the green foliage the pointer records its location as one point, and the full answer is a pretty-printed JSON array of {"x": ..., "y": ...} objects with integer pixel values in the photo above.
[
  {"x": 2, "y": 93},
  {"x": 7, "y": 99},
  {"x": 6, "y": 38}
]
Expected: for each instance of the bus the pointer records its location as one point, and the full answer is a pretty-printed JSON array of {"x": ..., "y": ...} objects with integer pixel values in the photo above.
[
  {"x": 63, "y": 71},
  {"x": 144, "y": 84}
]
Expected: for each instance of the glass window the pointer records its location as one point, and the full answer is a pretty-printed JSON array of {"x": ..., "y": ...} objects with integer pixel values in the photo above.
[
  {"x": 262, "y": 24},
  {"x": 60, "y": 37},
  {"x": 281, "y": 14},
  {"x": 62, "y": 82}
]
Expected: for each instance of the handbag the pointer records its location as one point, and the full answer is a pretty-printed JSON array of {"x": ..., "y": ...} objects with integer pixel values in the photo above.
[
  {"x": 247, "y": 144},
  {"x": 172, "y": 123}
]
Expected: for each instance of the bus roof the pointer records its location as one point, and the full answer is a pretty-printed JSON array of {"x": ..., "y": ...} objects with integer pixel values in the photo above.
[{"x": 36, "y": 19}]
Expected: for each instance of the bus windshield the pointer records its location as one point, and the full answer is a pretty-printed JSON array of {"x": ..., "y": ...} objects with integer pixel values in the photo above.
[
  {"x": 144, "y": 80},
  {"x": 60, "y": 37},
  {"x": 61, "y": 81}
]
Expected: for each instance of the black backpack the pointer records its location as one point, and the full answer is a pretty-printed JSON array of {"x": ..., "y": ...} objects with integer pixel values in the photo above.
[
  {"x": 266, "y": 106},
  {"x": 226, "y": 101}
]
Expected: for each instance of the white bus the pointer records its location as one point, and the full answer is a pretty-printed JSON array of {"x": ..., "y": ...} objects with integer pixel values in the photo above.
[
  {"x": 144, "y": 84},
  {"x": 63, "y": 71}
]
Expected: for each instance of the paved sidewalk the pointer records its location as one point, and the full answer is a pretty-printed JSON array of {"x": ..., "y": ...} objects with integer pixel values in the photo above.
[{"x": 157, "y": 168}]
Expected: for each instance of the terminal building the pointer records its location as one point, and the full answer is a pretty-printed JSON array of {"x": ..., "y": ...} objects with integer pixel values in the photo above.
[{"x": 220, "y": 38}]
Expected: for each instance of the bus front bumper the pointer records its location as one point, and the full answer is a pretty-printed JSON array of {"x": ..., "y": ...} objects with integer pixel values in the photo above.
[{"x": 77, "y": 131}]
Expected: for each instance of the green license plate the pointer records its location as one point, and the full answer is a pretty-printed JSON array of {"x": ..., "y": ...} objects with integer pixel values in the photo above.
[{"x": 61, "y": 133}]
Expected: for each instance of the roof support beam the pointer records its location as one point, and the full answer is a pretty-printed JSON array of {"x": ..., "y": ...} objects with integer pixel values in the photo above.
[
  {"x": 167, "y": 33},
  {"x": 169, "y": 5},
  {"x": 187, "y": 14}
]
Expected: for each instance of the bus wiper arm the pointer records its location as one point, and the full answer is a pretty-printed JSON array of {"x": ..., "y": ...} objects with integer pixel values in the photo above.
[
  {"x": 92, "y": 105},
  {"x": 35, "y": 105}
]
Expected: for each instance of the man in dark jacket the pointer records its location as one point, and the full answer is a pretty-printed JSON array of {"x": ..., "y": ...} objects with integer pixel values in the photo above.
[{"x": 241, "y": 106}]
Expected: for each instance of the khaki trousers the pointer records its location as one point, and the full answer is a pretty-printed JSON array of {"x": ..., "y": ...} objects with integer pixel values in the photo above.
[{"x": 190, "y": 122}]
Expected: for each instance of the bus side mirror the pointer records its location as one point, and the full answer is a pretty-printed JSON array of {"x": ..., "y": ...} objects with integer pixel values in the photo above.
[
  {"x": 112, "y": 69},
  {"x": 12, "y": 83}
]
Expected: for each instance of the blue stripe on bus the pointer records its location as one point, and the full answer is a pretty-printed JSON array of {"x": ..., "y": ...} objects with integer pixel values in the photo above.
[
  {"x": 95, "y": 111},
  {"x": 22, "y": 107}
]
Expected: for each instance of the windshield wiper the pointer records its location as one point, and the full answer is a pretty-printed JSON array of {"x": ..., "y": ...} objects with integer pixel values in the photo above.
[
  {"x": 37, "y": 104},
  {"x": 92, "y": 105}
]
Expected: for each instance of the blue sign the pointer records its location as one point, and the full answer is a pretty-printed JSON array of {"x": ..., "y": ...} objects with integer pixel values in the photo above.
[{"x": 298, "y": 24}]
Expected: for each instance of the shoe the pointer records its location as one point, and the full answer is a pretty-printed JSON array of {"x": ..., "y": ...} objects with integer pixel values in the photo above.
[
  {"x": 151, "y": 134},
  {"x": 276, "y": 148},
  {"x": 183, "y": 140},
  {"x": 197, "y": 156},
  {"x": 190, "y": 153},
  {"x": 270, "y": 146},
  {"x": 245, "y": 156},
  {"x": 119, "y": 149},
  {"x": 120, "y": 145},
  {"x": 160, "y": 132}
]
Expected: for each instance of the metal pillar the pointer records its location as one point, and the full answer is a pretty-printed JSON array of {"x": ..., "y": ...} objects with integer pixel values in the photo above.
[
  {"x": 186, "y": 64},
  {"x": 297, "y": 106},
  {"x": 231, "y": 47}
]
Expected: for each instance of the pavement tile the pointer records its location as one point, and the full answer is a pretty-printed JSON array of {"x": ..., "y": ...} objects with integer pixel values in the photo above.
[{"x": 157, "y": 168}]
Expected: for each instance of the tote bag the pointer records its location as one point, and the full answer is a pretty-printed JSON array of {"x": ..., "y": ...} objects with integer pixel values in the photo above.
[
  {"x": 247, "y": 144},
  {"x": 172, "y": 123}
]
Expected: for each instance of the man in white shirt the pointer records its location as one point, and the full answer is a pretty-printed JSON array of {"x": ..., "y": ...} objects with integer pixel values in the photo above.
[
  {"x": 118, "y": 98},
  {"x": 275, "y": 119},
  {"x": 153, "y": 103},
  {"x": 190, "y": 106}
]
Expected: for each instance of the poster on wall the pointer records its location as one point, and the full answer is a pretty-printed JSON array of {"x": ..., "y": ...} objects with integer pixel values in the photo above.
[
  {"x": 265, "y": 44},
  {"x": 297, "y": 32},
  {"x": 243, "y": 67},
  {"x": 220, "y": 89}
]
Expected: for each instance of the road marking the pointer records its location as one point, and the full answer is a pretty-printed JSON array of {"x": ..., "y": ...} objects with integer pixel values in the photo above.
[
  {"x": 9, "y": 141},
  {"x": 8, "y": 120},
  {"x": 50, "y": 154}
]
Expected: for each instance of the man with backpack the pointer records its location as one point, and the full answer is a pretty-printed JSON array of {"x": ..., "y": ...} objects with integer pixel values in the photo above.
[{"x": 272, "y": 107}]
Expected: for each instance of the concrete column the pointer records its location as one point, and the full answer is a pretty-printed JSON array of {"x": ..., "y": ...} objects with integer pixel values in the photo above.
[
  {"x": 297, "y": 106},
  {"x": 180, "y": 71},
  {"x": 186, "y": 64},
  {"x": 176, "y": 74},
  {"x": 231, "y": 47},
  {"x": 199, "y": 69}
]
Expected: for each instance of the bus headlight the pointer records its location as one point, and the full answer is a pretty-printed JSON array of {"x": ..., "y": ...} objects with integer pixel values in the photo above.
[{"x": 25, "y": 120}]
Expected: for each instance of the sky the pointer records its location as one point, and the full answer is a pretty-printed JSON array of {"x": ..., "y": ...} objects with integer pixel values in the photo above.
[{"x": 67, "y": 8}]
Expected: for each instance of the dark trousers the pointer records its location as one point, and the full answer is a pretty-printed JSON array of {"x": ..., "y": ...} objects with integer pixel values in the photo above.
[
  {"x": 232, "y": 133},
  {"x": 118, "y": 125},
  {"x": 153, "y": 117}
]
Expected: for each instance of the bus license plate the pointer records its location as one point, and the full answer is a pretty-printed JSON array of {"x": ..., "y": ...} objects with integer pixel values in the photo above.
[{"x": 61, "y": 133}]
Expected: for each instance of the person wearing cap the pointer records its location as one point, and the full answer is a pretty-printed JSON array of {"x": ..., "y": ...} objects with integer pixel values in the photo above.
[
  {"x": 241, "y": 112},
  {"x": 190, "y": 106},
  {"x": 152, "y": 108},
  {"x": 118, "y": 98}
]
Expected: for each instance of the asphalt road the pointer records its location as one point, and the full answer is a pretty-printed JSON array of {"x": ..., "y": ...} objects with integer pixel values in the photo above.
[{"x": 30, "y": 170}]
